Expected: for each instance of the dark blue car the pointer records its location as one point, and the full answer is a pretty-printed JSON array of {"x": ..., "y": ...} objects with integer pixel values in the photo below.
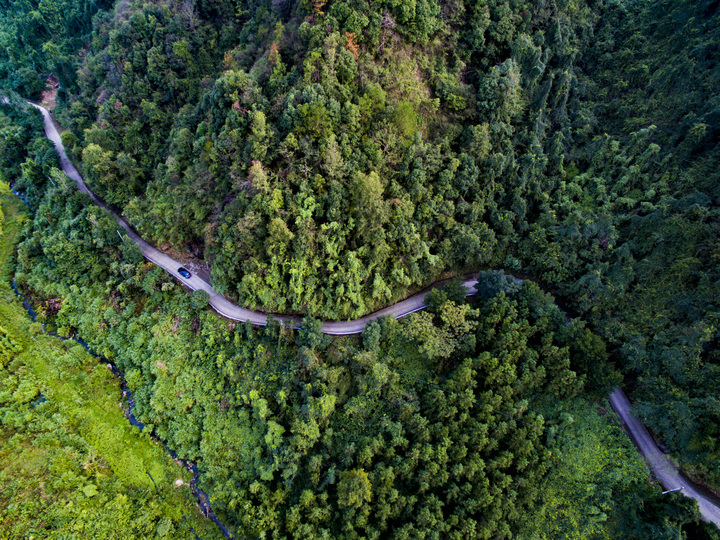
[{"x": 184, "y": 273}]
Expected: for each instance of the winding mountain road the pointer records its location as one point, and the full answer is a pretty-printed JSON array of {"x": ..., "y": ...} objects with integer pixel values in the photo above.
[
  {"x": 219, "y": 303},
  {"x": 660, "y": 466}
]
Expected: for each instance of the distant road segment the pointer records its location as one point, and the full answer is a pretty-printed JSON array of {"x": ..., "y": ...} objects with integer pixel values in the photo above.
[{"x": 660, "y": 466}]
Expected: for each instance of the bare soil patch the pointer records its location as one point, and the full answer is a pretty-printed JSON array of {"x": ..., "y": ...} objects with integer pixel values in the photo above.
[{"x": 48, "y": 95}]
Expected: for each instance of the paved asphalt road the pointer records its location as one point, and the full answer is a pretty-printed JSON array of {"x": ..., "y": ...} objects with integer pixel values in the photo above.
[
  {"x": 221, "y": 304},
  {"x": 661, "y": 467}
]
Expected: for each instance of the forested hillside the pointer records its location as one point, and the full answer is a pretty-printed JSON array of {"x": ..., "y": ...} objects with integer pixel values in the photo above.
[
  {"x": 466, "y": 421},
  {"x": 327, "y": 158},
  {"x": 42, "y": 38},
  {"x": 631, "y": 238}
]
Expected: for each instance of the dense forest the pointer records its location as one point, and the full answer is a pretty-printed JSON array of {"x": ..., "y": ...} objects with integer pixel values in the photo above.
[
  {"x": 328, "y": 158},
  {"x": 457, "y": 422}
]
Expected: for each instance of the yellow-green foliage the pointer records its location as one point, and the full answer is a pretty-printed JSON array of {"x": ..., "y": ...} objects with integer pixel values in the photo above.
[
  {"x": 594, "y": 466},
  {"x": 9, "y": 348},
  {"x": 70, "y": 462}
]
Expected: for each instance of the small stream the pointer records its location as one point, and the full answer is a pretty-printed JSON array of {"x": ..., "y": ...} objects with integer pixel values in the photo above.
[
  {"x": 203, "y": 500},
  {"x": 25, "y": 302},
  {"x": 23, "y": 198}
]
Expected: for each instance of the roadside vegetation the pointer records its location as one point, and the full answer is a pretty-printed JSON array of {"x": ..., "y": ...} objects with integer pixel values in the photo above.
[{"x": 327, "y": 157}]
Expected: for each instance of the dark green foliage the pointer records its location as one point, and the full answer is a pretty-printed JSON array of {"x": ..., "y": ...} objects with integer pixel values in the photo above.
[
  {"x": 490, "y": 284},
  {"x": 326, "y": 158},
  {"x": 43, "y": 37},
  {"x": 453, "y": 291},
  {"x": 628, "y": 233},
  {"x": 324, "y": 165},
  {"x": 26, "y": 156}
]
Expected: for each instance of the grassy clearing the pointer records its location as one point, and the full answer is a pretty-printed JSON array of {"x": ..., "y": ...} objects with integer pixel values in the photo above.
[{"x": 83, "y": 403}]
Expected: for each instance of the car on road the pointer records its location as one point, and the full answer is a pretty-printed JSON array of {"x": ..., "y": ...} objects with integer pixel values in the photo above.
[{"x": 184, "y": 273}]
